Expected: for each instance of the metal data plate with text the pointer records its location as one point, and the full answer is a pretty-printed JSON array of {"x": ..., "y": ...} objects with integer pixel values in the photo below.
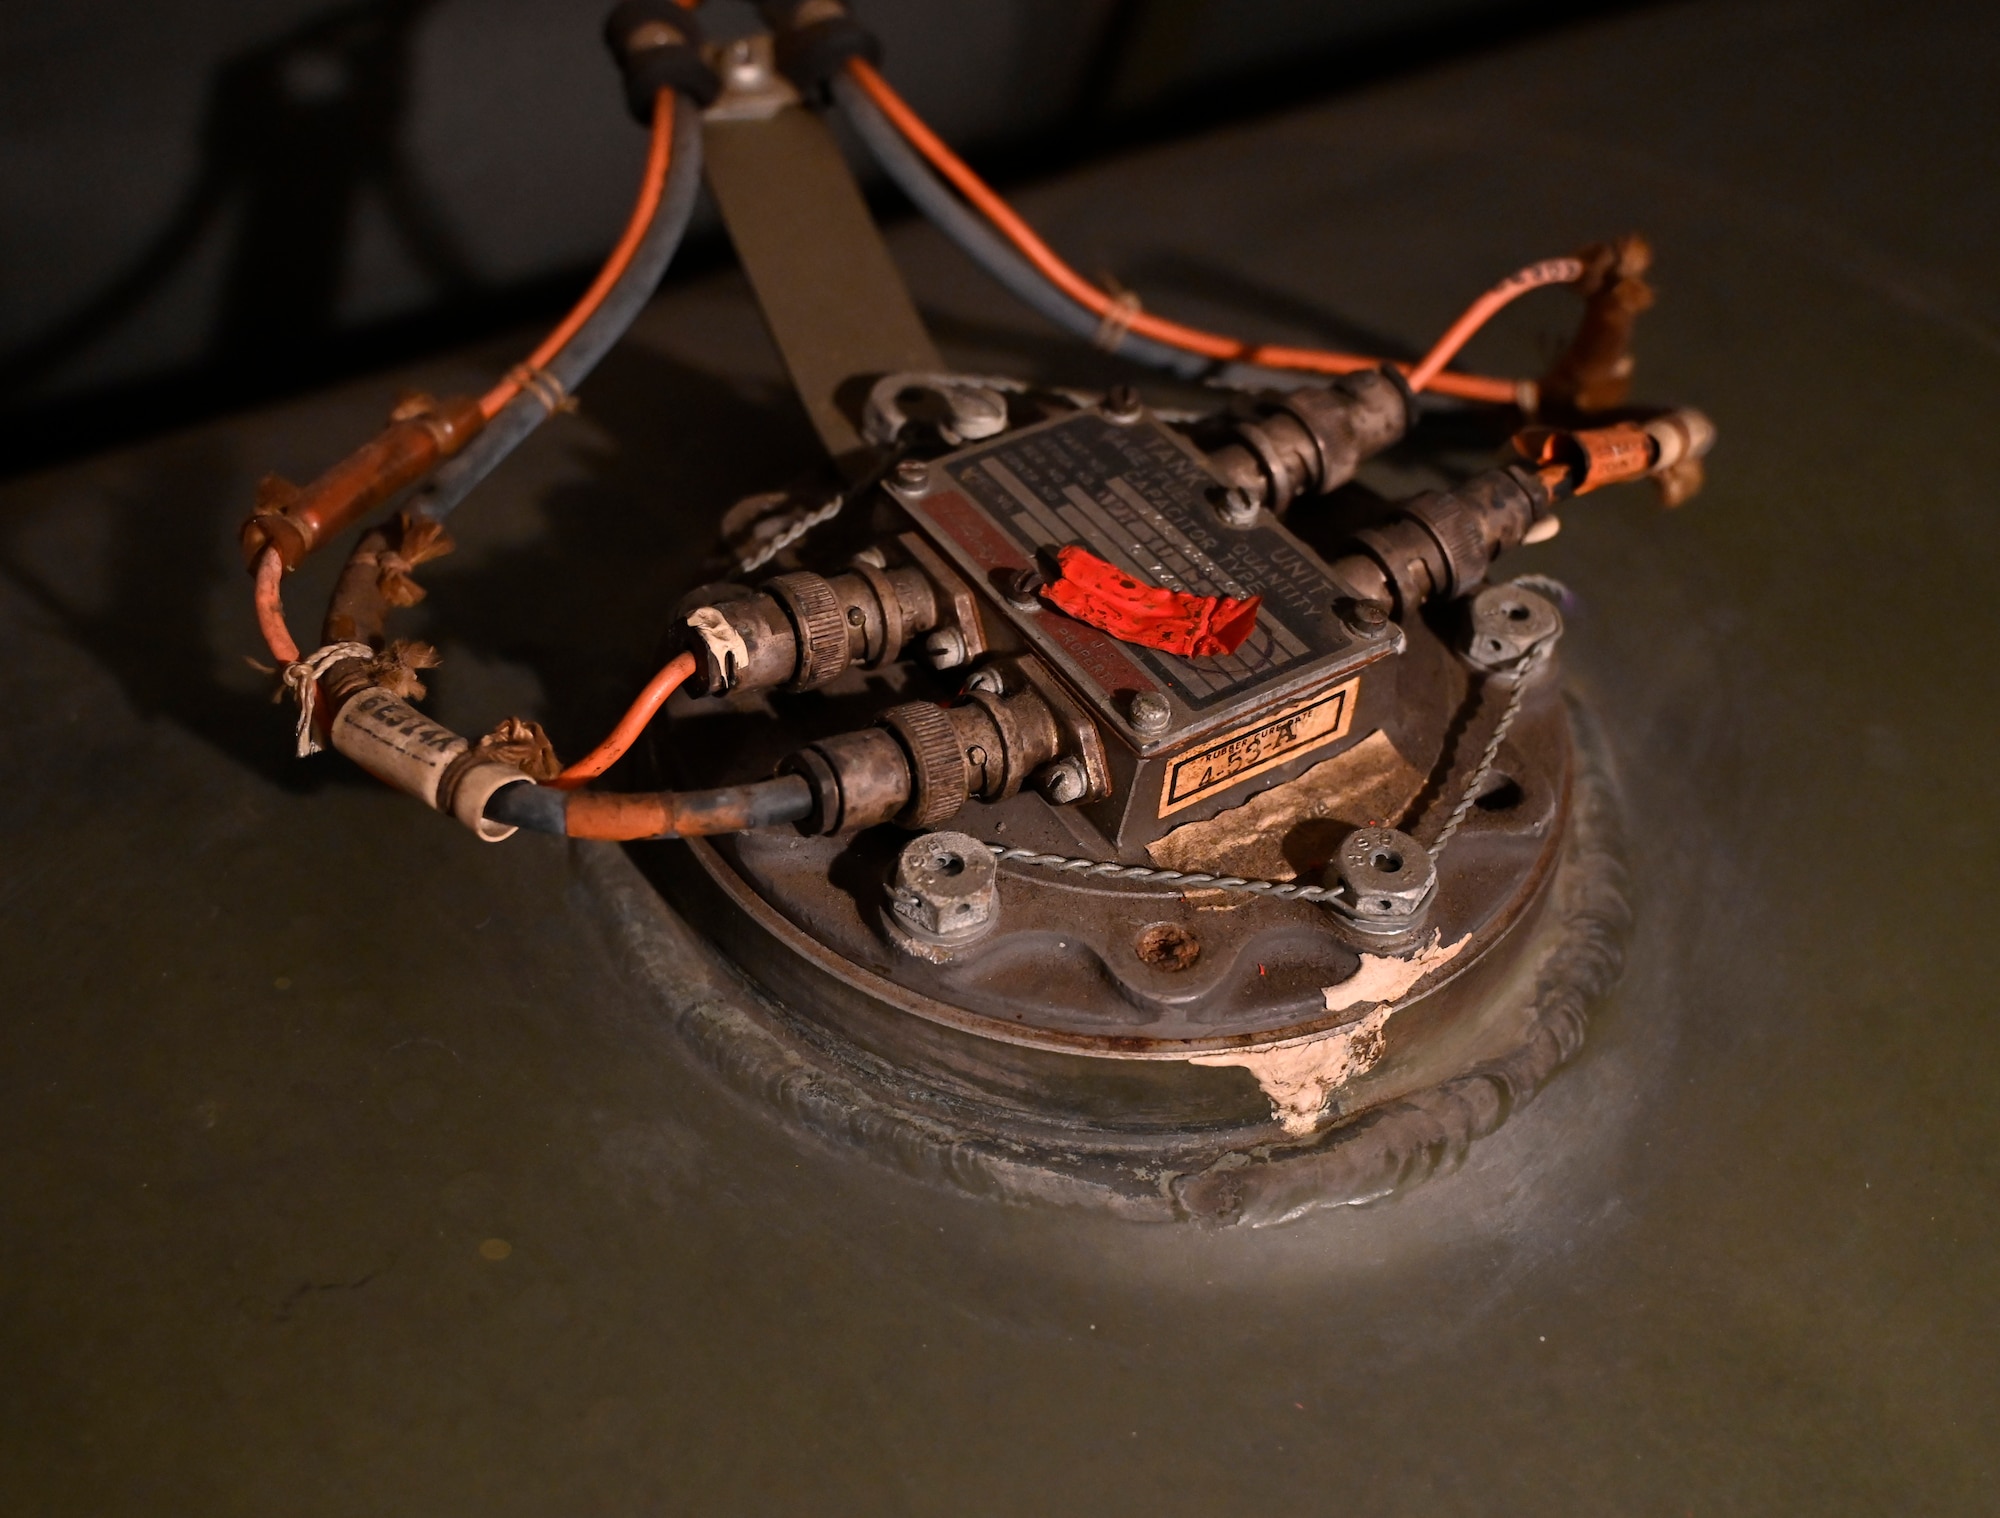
[{"x": 1134, "y": 495}]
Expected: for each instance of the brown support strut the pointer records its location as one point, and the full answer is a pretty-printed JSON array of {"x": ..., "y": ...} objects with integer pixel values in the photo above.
[{"x": 833, "y": 299}]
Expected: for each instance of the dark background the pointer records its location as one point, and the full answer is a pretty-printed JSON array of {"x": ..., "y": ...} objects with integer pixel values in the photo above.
[{"x": 211, "y": 202}]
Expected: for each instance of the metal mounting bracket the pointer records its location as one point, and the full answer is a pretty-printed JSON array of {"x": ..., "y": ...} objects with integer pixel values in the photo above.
[{"x": 832, "y": 297}]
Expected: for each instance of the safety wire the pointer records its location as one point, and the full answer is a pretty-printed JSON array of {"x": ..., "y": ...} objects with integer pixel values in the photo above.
[{"x": 1519, "y": 678}]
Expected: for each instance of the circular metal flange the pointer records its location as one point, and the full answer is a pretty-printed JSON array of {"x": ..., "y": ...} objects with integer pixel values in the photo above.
[{"x": 1237, "y": 1126}]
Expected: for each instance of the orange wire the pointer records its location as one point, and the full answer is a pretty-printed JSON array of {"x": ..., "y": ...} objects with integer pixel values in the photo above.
[
  {"x": 650, "y": 190},
  {"x": 271, "y": 608},
  {"x": 626, "y": 733},
  {"x": 1216, "y": 345},
  {"x": 1550, "y": 271}
]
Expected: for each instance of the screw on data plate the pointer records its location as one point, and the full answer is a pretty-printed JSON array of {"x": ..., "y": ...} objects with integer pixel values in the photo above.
[
  {"x": 1122, "y": 404},
  {"x": 1367, "y": 618},
  {"x": 1150, "y": 712},
  {"x": 1384, "y": 879},
  {"x": 912, "y": 474},
  {"x": 1024, "y": 589},
  {"x": 1063, "y": 781}
]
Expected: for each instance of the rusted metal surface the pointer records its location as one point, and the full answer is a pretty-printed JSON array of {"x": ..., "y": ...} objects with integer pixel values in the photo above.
[
  {"x": 1595, "y": 372},
  {"x": 620, "y": 816},
  {"x": 1431, "y": 1054},
  {"x": 297, "y": 519},
  {"x": 1061, "y": 972}
]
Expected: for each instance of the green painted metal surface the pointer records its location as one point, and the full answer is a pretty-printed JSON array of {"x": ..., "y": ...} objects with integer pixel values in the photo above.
[{"x": 346, "y": 1170}]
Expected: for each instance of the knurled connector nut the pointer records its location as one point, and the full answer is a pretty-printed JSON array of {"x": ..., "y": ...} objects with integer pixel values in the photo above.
[
  {"x": 939, "y": 775},
  {"x": 822, "y": 626},
  {"x": 1458, "y": 537}
]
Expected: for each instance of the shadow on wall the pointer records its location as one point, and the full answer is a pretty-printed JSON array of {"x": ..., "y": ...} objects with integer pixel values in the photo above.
[
  {"x": 297, "y": 132},
  {"x": 306, "y": 135}
]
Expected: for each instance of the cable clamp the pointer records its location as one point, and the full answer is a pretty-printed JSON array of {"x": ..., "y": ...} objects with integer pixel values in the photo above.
[
  {"x": 544, "y": 387},
  {"x": 1116, "y": 324},
  {"x": 302, "y": 678}
]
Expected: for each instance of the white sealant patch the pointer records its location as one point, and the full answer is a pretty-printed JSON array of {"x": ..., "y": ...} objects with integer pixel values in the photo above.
[{"x": 1299, "y": 1077}]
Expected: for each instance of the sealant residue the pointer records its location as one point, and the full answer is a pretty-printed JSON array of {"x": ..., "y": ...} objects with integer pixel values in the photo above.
[{"x": 1299, "y": 1077}]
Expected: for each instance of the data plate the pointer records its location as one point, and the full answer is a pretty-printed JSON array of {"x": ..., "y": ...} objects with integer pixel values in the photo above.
[{"x": 1135, "y": 495}]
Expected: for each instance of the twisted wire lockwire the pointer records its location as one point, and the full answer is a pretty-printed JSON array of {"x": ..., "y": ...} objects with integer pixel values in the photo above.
[
  {"x": 1104, "y": 869},
  {"x": 1107, "y": 869},
  {"x": 1477, "y": 782}
]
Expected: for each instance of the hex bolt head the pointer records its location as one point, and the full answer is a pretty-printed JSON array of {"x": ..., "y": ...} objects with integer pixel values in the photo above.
[
  {"x": 945, "y": 891},
  {"x": 1385, "y": 880},
  {"x": 945, "y": 648},
  {"x": 1062, "y": 781},
  {"x": 1150, "y": 712},
  {"x": 1506, "y": 624},
  {"x": 912, "y": 474},
  {"x": 1236, "y": 507}
]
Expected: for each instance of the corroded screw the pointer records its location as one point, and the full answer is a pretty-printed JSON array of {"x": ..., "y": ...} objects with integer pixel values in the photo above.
[
  {"x": 945, "y": 648},
  {"x": 1062, "y": 781},
  {"x": 1149, "y": 712}
]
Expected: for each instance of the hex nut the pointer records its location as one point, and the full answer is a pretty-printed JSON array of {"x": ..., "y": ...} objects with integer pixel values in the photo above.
[
  {"x": 1385, "y": 880},
  {"x": 1150, "y": 712},
  {"x": 1506, "y": 624},
  {"x": 945, "y": 893}
]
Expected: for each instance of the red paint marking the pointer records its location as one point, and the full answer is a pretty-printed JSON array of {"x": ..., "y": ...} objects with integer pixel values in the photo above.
[
  {"x": 1096, "y": 653},
  {"x": 977, "y": 536}
]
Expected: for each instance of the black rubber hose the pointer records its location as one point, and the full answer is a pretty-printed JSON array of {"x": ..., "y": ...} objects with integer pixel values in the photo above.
[
  {"x": 519, "y": 417},
  {"x": 985, "y": 247},
  {"x": 527, "y": 805},
  {"x": 688, "y": 814}
]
